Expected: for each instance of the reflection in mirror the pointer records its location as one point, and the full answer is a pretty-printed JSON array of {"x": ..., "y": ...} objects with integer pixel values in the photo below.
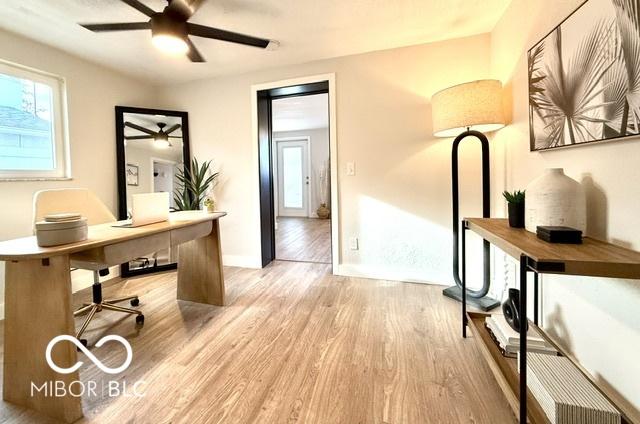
[{"x": 153, "y": 153}]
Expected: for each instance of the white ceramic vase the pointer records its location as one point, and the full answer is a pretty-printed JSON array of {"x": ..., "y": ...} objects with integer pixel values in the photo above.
[{"x": 555, "y": 199}]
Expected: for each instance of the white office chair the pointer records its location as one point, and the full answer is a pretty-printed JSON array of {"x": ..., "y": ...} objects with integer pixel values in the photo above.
[{"x": 86, "y": 203}]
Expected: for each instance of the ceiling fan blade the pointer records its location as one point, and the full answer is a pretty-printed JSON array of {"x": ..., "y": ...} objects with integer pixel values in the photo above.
[
  {"x": 125, "y": 26},
  {"x": 184, "y": 8},
  {"x": 220, "y": 34},
  {"x": 140, "y": 7},
  {"x": 193, "y": 52},
  {"x": 139, "y": 128},
  {"x": 172, "y": 129},
  {"x": 140, "y": 137}
]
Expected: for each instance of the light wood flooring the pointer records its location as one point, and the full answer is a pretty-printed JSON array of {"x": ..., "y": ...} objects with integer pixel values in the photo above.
[
  {"x": 303, "y": 239},
  {"x": 294, "y": 345}
]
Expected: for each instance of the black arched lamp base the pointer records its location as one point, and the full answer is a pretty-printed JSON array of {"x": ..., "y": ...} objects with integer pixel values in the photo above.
[
  {"x": 476, "y": 298},
  {"x": 482, "y": 303}
]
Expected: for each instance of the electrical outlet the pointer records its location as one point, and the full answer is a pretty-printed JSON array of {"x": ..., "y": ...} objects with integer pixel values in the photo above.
[
  {"x": 351, "y": 168},
  {"x": 353, "y": 243}
]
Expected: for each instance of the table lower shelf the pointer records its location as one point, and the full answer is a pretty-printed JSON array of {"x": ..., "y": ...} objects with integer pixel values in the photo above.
[{"x": 504, "y": 369}]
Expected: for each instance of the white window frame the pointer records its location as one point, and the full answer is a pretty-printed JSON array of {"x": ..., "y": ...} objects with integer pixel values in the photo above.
[{"x": 60, "y": 132}]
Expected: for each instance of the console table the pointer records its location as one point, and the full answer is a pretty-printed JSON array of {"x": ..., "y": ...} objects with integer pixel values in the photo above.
[{"x": 592, "y": 258}]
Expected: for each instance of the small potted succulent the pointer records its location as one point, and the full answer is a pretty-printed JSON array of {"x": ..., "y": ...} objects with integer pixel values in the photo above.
[
  {"x": 210, "y": 204},
  {"x": 516, "y": 208}
]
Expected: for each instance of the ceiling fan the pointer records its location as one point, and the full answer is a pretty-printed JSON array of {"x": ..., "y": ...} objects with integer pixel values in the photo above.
[
  {"x": 160, "y": 138},
  {"x": 170, "y": 29}
]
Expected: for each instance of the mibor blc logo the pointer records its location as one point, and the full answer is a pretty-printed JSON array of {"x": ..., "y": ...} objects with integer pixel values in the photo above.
[
  {"x": 77, "y": 388},
  {"x": 90, "y": 355}
]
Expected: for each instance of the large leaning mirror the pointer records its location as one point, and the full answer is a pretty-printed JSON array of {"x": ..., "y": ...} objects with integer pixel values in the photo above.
[{"x": 152, "y": 148}]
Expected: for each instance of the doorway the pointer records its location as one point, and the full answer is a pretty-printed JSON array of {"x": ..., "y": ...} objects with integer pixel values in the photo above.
[
  {"x": 162, "y": 177},
  {"x": 294, "y": 146}
]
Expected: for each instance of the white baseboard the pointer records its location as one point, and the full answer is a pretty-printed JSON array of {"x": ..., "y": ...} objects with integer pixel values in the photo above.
[
  {"x": 368, "y": 271},
  {"x": 242, "y": 261}
]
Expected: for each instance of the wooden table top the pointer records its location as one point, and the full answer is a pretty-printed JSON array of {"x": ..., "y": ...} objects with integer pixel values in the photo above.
[
  {"x": 101, "y": 235},
  {"x": 591, "y": 258}
]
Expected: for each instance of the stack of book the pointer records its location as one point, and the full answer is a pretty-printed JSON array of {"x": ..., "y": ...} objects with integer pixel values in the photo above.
[
  {"x": 508, "y": 340},
  {"x": 565, "y": 394}
]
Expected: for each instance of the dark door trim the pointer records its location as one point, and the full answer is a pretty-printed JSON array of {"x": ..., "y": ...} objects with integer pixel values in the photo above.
[{"x": 265, "y": 159}]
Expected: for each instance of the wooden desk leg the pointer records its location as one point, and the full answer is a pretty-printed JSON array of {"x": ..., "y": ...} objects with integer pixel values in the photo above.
[
  {"x": 38, "y": 308},
  {"x": 200, "y": 275}
]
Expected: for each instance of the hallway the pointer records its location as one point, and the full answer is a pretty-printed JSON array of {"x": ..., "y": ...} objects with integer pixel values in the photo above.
[{"x": 303, "y": 239}]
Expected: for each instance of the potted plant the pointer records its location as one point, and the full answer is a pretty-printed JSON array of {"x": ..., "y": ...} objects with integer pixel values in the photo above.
[
  {"x": 515, "y": 201},
  {"x": 210, "y": 204},
  {"x": 193, "y": 185}
]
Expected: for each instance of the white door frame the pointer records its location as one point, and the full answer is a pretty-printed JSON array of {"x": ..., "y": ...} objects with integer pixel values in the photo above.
[
  {"x": 333, "y": 156},
  {"x": 275, "y": 141},
  {"x": 152, "y": 160}
]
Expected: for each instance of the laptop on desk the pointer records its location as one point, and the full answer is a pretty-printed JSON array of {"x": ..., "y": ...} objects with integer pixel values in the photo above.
[{"x": 147, "y": 208}]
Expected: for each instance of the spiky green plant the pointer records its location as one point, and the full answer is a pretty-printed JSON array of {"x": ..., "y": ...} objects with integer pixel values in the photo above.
[
  {"x": 514, "y": 197},
  {"x": 193, "y": 185}
]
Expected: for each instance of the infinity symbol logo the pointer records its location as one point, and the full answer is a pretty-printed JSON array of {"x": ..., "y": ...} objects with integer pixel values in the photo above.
[{"x": 91, "y": 356}]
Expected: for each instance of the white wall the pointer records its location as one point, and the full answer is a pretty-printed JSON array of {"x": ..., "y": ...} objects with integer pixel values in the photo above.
[
  {"x": 92, "y": 93},
  {"x": 398, "y": 201},
  {"x": 319, "y": 146},
  {"x": 597, "y": 319}
]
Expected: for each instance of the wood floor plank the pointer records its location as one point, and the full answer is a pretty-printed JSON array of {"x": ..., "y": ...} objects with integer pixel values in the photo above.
[
  {"x": 294, "y": 345},
  {"x": 303, "y": 239}
]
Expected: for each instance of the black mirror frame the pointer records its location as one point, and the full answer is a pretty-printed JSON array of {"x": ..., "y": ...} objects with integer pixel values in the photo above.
[{"x": 121, "y": 175}]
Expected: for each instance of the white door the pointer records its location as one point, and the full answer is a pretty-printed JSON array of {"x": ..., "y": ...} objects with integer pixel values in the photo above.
[
  {"x": 163, "y": 179},
  {"x": 293, "y": 178}
]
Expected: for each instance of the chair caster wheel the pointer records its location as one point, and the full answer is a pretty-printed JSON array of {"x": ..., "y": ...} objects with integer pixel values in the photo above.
[
  {"x": 140, "y": 320},
  {"x": 135, "y": 302},
  {"x": 84, "y": 342}
]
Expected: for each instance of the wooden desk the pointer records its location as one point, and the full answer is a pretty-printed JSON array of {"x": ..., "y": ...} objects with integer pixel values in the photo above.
[{"x": 38, "y": 298}]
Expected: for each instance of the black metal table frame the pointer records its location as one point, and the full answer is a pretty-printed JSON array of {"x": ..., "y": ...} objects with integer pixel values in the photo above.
[{"x": 527, "y": 264}]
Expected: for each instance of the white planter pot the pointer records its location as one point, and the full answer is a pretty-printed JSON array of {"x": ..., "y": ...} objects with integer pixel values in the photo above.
[{"x": 555, "y": 199}]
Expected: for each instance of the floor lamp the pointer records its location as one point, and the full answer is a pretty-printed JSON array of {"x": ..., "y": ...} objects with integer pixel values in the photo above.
[{"x": 461, "y": 111}]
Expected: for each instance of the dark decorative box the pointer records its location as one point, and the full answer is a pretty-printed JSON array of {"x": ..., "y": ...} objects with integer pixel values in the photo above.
[{"x": 553, "y": 234}]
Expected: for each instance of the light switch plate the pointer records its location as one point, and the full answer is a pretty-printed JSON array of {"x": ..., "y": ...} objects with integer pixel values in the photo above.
[
  {"x": 351, "y": 168},
  {"x": 353, "y": 243}
]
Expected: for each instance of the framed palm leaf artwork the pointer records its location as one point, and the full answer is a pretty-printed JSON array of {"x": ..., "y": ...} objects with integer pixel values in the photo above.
[{"x": 584, "y": 77}]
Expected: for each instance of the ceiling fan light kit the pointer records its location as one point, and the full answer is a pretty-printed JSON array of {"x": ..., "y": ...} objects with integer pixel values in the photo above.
[
  {"x": 170, "y": 29},
  {"x": 170, "y": 44},
  {"x": 161, "y": 143},
  {"x": 169, "y": 35}
]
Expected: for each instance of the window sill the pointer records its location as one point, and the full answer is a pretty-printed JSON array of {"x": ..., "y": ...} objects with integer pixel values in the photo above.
[{"x": 27, "y": 179}]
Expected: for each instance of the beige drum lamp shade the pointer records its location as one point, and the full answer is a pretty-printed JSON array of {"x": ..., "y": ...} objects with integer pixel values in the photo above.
[{"x": 476, "y": 105}]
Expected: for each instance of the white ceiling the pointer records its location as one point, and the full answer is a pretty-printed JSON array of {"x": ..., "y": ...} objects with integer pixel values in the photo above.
[
  {"x": 306, "y": 29},
  {"x": 300, "y": 113}
]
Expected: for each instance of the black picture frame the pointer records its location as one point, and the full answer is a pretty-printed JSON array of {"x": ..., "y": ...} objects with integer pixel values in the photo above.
[
  {"x": 122, "y": 177},
  {"x": 609, "y": 131}
]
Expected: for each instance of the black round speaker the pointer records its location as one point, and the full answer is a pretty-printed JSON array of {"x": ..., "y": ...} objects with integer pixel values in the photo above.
[{"x": 511, "y": 310}]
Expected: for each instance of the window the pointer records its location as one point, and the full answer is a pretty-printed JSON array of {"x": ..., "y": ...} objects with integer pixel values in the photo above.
[
  {"x": 292, "y": 176},
  {"x": 32, "y": 124}
]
